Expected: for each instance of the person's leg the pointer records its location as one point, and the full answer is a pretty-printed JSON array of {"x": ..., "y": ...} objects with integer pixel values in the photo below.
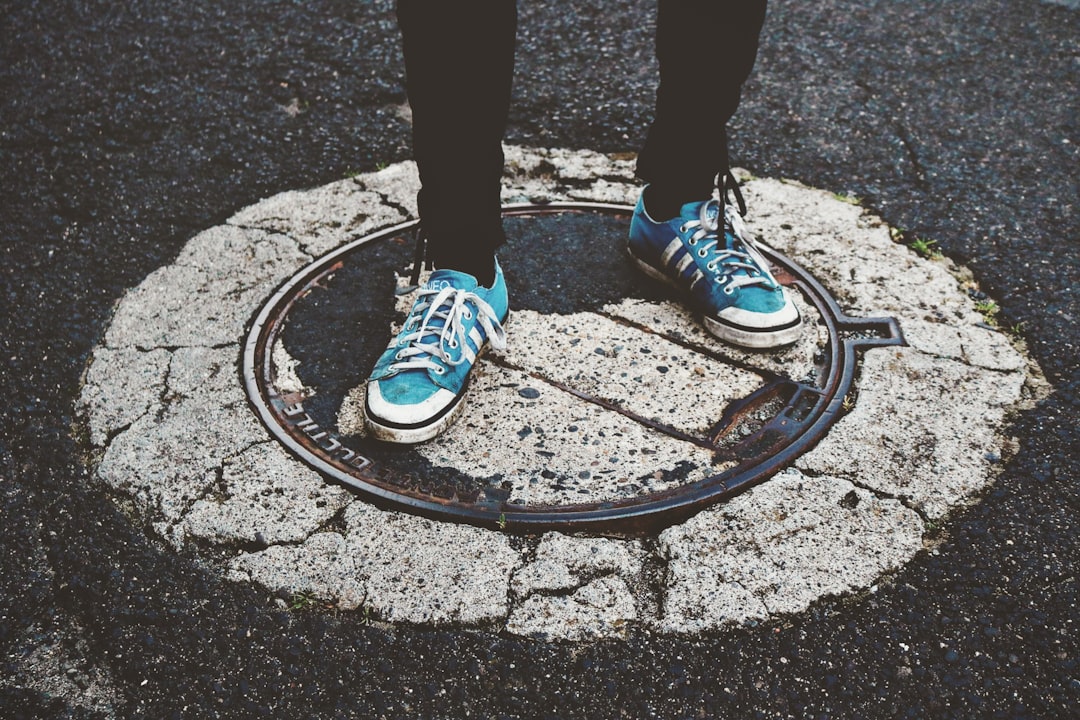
[
  {"x": 459, "y": 64},
  {"x": 678, "y": 233},
  {"x": 459, "y": 59},
  {"x": 706, "y": 50}
]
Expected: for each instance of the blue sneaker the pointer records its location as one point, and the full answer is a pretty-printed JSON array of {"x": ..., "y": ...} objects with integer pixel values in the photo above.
[
  {"x": 415, "y": 390},
  {"x": 727, "y": 280}
]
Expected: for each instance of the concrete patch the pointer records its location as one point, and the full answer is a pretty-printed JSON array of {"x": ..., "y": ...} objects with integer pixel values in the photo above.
[
  {"x": 779, "y": 547},
  {"x": 579, "y": 588},
  {"x": 323, "y": 218},
  {"x": 420, "y": 571},
  {"x": 321, "y": 567},
  {"x": 207, "y": 296},
  {"x": 599, "y": 609},
  {"x": 400, "y": 568},
  {"x": 180, "y": 444},
  {"x": 562, "y": 562},
  {"x": 158, "y": 463},
  {"x": 122, "y": 386},
  {"x": 288, "y": 504},
  {"x": 908, "y": 436}
]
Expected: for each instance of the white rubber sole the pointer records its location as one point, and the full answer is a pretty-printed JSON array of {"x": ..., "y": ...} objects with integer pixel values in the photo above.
[{"x": 413, "y": 435}]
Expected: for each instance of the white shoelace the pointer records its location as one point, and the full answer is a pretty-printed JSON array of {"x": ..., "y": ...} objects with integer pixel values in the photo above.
[
  {"x": 451, "y": 306},
  {"x": 752, "y": 261}
]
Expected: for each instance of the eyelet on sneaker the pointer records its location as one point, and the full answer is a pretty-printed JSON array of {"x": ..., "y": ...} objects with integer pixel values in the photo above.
[
  {"x": 467, "y": 314},
  {"x": 729, "y": 290},
  {"x": 440, "y": 370},
  {"x": 452, "y": 344},
  {"x": 683, "y": 229},
  {"x": 702, "y": 253}
]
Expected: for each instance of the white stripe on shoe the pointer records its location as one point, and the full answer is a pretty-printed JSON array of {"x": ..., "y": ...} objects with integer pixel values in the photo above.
[{"x": 669, "y": 252}]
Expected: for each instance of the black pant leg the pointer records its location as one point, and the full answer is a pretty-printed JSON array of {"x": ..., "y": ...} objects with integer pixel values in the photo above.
[
  {"x": 459, "y": 61},
  {"x": 706, "y": 50}
]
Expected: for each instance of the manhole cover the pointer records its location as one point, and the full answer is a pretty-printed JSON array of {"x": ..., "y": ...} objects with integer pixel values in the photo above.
[{"x": 610, "y": 411}]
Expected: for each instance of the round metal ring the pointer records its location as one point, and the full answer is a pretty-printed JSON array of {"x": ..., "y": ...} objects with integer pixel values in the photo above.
[{"x": 801, "y": 413}]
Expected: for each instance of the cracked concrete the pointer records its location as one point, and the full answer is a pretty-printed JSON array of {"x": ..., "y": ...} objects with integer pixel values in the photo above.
[
  {"x": 579, "y": 588},
  {"x": 907, "y": 437},
  {"x": 400, "y": 568},
  {"x": 779, "y": 547},
  {"x": 178, "y": 441},
  {"x": 601, "y": 608},
  {"x": 287, "y": 505}
]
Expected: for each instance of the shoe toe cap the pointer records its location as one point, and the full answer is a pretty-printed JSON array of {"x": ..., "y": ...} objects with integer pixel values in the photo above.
[
  {"x": 762, "y": 309},
  {"x": 406, "y": 403}
]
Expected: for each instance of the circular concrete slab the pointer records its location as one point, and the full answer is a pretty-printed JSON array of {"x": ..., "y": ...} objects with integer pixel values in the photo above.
[{"x": 180, "y": 445}]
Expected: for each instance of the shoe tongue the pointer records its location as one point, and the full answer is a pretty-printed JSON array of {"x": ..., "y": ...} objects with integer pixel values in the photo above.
[
  {"x": 707, "y": 211},
  {"x": 441, "y": 279}
]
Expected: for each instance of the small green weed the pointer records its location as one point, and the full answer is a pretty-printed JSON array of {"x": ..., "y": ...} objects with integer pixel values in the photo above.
[
  {"x": 302, "y": 600},
  {"x": 922, "y": 246},
  {"x": 925, "y": 247},
  {"x": 988, "y": 309}
]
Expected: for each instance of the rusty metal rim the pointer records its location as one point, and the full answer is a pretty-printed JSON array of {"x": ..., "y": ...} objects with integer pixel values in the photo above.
[{"x": 631, "y": 516}]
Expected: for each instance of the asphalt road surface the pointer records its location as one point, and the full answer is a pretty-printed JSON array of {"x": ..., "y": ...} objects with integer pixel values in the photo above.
[{"x": 126, "y": 128}]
